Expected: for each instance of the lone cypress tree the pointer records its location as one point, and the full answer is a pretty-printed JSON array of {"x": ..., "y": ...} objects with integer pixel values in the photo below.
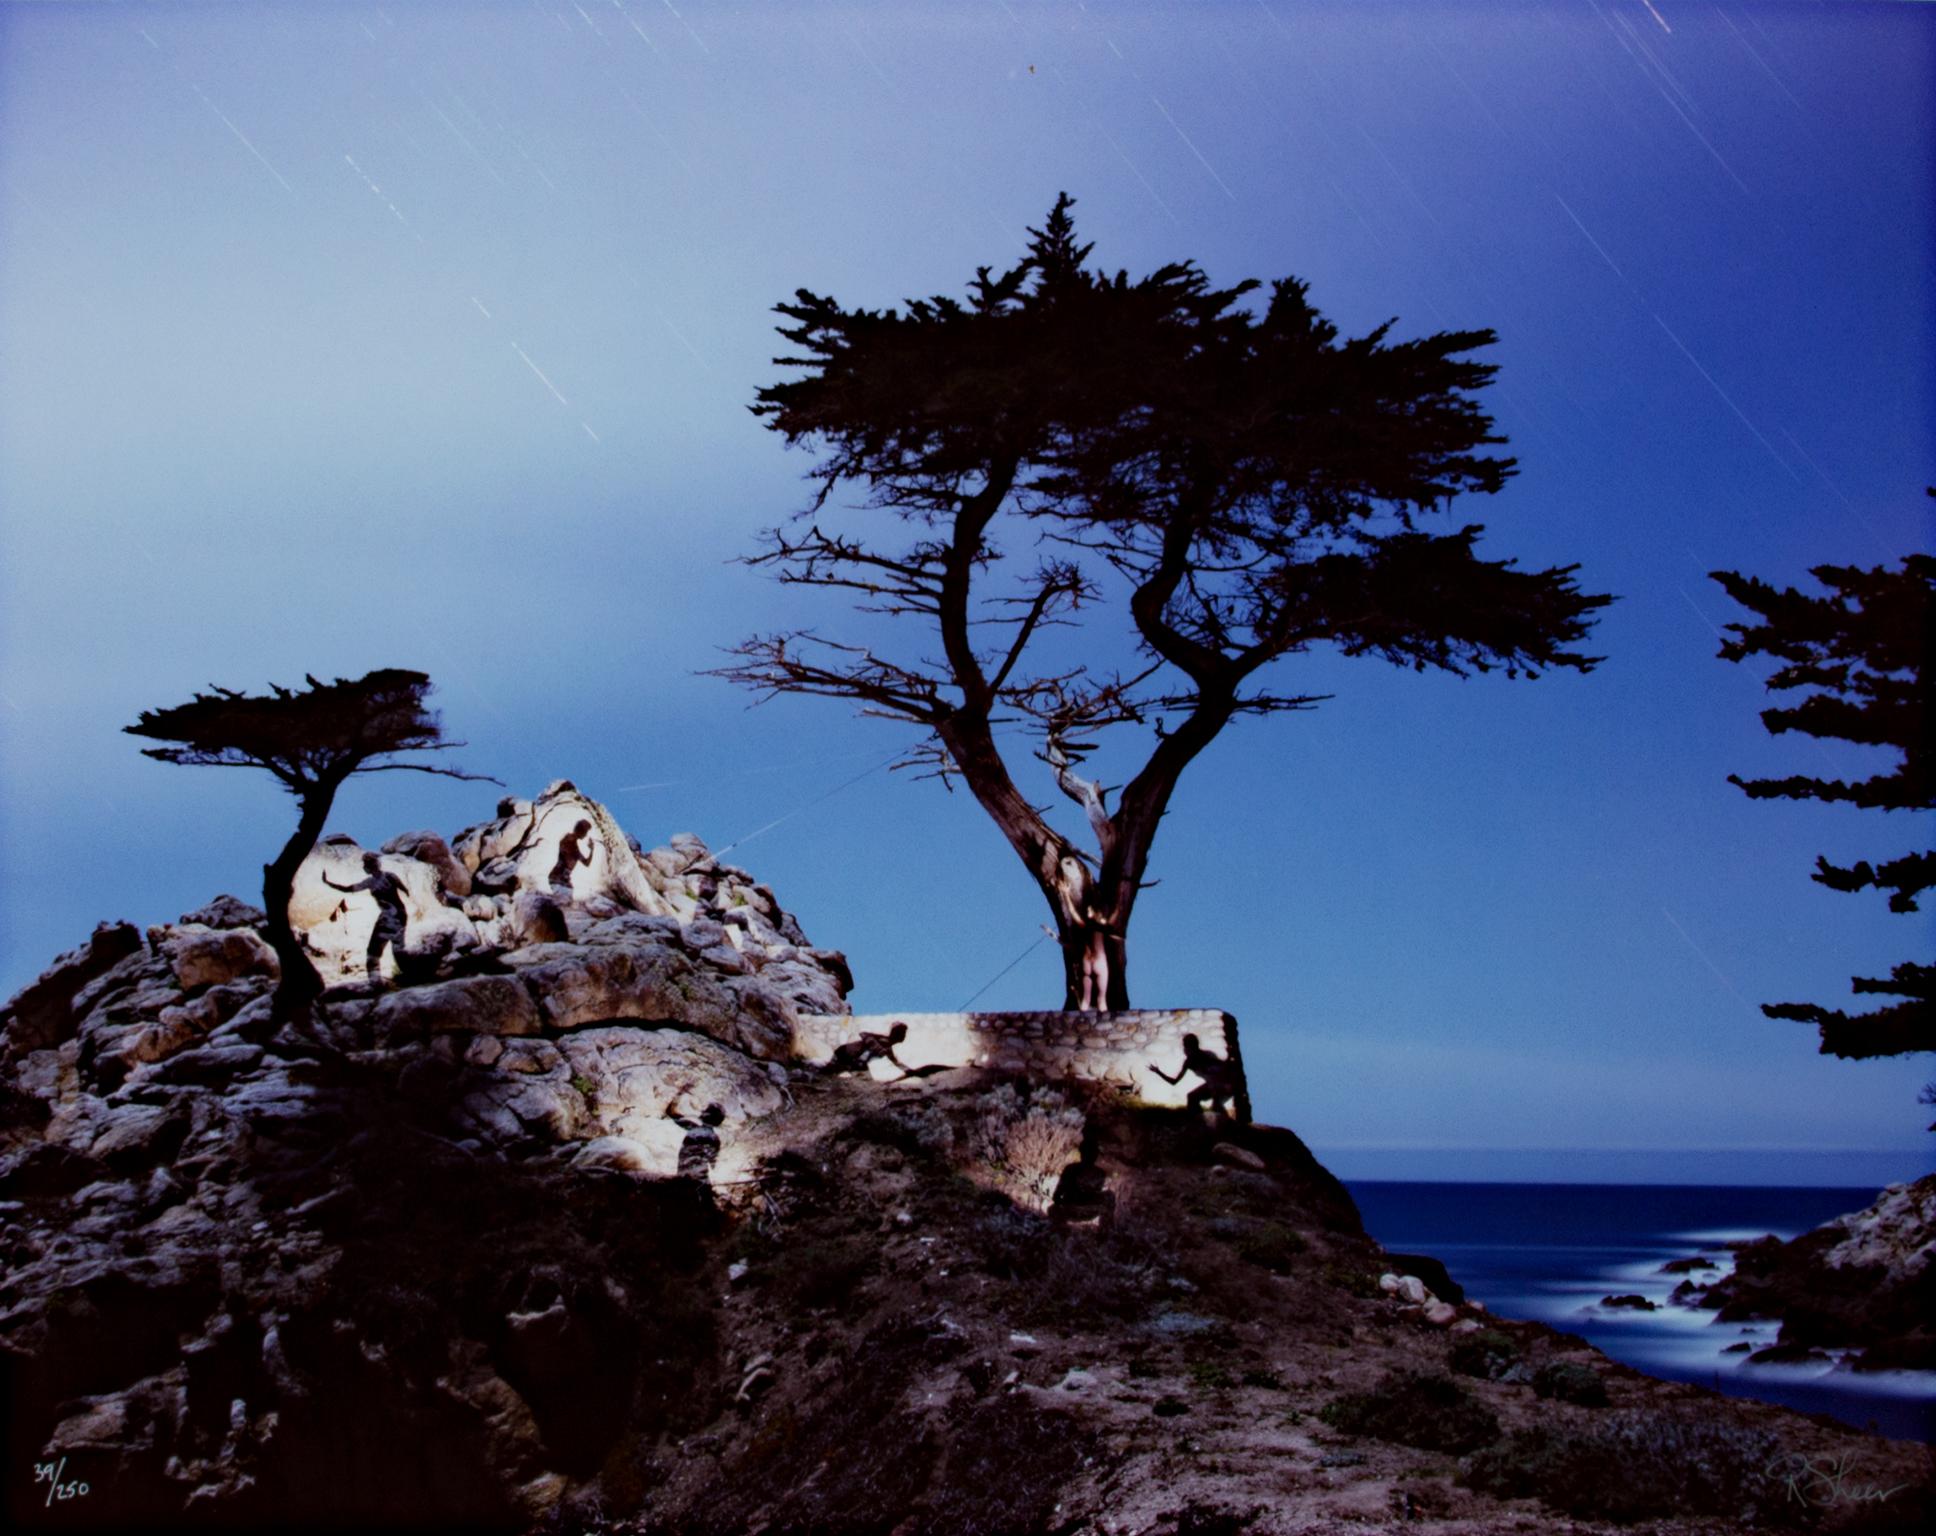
[
  {"x": 312, "y": 740},
  {"x": 1862, "y": 650},
  {"x": 1245, "y": 485}
]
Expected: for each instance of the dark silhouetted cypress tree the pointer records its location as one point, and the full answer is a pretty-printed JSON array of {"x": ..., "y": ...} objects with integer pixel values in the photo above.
[
  {"x": 1243, "y": 483},
  {"x": 312, "y": 740},
  {"x": 1861, "y": 653}
]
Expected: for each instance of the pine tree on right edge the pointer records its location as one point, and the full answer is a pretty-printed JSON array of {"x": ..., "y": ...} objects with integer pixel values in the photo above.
[{"x": 1863, "y": 651}]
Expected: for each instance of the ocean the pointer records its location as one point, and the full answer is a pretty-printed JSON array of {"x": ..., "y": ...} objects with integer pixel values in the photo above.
[{"x": 1550, "y": 1252}]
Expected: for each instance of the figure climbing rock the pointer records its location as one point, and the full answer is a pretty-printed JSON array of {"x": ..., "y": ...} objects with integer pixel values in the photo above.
[
  {"x": 857, "y": 1055},
  {"x": 391, "y": 919}
]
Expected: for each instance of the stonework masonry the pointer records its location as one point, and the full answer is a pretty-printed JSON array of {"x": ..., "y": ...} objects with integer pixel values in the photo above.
[{"x": 1115, "y": 1048}]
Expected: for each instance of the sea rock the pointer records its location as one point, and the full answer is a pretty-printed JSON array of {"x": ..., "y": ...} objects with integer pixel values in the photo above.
[
  {"x": 1429, "y": 1270},
  {"x": 1864, "y": 1281}
]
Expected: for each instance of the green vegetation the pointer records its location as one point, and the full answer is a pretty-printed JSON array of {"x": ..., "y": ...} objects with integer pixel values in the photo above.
[
  {"x": 1431, "y": 1412},
  {"x": 1640, "y": 1467}
]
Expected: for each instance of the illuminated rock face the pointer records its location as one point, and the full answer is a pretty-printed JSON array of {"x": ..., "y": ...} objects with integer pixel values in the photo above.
[{"x": 558, "y": 869}]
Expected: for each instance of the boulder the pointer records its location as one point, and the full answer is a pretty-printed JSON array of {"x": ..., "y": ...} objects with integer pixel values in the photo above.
[
  {"x": 519, "y": 851},
  {"x": 536, "y": 918},
  {"x": 484, "y": 1005},
  {"x": 594, "y": 983},
  {"x": 42, "y": 1012},
  {"x": 656, "y": 1156},
  {"x": 226, "y": 912},
  {"x": 429, "y": 848},
  {"x": 201, "y": 956},
  {"x": 634, "y": 1077}
]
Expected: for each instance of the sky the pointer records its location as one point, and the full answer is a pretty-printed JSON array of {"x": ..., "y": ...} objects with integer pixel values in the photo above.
[{"x": 423, "y": 335}]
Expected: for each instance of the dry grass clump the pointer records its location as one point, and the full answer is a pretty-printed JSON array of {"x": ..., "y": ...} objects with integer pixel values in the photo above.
[{"x": 1019, "y": 1142}]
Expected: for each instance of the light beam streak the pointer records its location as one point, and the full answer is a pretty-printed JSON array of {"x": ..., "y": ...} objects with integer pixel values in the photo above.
[
  {"x": 1135, "y": 172},
  {"x": 244, "y": 138},
  {"x": 1724, "y": 398},
  {"x": 539, "y": 372},
  {"x": 1194, "y": 150},
  {"x": 687, "y": 25},
  {"x": 1592, "y": 242},
  {"x": 1719, "y": 974}
]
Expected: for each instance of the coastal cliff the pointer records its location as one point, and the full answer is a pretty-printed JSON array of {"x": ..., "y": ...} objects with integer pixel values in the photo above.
[{"x": 573, "y": 1218}]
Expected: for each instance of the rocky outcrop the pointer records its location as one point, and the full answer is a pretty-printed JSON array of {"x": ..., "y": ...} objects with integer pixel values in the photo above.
[
  {"x": 372, "y": 1260},
  {"x": 1863, "y": 1282}
]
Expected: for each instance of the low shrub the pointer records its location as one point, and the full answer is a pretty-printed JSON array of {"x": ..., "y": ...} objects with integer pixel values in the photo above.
[
  {"x": 1352, "y": 1280},
  {"x": 1270, "y": 1245},
  {"x": 1487, "y": 1354},
  {"x": 1431, "y": 1412},
  {"x": 1638, "y": 1467},
  {"x": 1571, "y": 1383}
]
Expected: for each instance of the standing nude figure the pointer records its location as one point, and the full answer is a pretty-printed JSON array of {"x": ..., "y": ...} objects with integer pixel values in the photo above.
[
  {"x": 387, "y": 891},
  {"x": 571, "y": 856}
]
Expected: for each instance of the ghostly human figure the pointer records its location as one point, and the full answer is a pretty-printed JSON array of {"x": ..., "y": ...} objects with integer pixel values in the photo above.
[
  {"x": 391, "y": 919},
  {"x": 700, "y": 1150},
  {"x": 1220, "y": 1086},
  {"x": 856, "y": 1055},
  {"x": 570, "y": 856}
]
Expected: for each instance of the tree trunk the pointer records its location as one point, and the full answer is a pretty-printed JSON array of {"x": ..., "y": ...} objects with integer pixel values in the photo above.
[{"x": 300, "y": 984}]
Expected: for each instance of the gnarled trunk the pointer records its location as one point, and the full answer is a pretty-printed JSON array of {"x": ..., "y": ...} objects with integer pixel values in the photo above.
[{"x": 300, "y": 984}]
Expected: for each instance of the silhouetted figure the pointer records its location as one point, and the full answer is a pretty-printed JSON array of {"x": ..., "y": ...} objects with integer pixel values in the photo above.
[
  {"x": 856, "y": 1055},
  {"x": 700, "y": 1150},
  {"x": 391, "y": 919},
  {"x": 1220, "y": 1086},
  {"x": 570, "y": 856}
]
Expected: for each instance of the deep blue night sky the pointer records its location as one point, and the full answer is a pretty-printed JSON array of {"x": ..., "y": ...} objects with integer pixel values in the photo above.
[{"x": 334, "y": 337}]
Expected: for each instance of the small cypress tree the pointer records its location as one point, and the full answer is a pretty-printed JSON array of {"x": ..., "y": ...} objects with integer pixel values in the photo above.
[
  {"x": 1862, "y": 650},
  {"x": 311, "y": 739}
]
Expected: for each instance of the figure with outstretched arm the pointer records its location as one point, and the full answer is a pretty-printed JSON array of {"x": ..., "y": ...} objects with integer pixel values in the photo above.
[
  {"x": 857, "y": 1055},
  {"x": 571, "y": 855},
  {"x": 387, "y": 891},
  {"x": 1220, "y": 1086}
]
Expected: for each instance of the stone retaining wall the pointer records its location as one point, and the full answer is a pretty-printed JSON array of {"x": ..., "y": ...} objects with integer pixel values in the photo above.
[{"x": 1117, "y": 1048}]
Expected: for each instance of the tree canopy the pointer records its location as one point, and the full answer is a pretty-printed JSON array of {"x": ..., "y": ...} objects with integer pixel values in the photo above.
[
  {"x": 1859, "y": 653},
  {"x": 305, "y": 737},
  {"x": 1237, "y": 481}
]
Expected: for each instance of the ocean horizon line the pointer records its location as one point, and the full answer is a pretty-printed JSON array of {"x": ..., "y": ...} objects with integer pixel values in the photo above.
[{"x": 1746, "y": 1166}]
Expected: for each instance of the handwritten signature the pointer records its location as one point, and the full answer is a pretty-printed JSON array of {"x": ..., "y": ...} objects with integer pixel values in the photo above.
[
  {"x": 58, "y": 1487},
  {"x": 1825, "y": 1480}
]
